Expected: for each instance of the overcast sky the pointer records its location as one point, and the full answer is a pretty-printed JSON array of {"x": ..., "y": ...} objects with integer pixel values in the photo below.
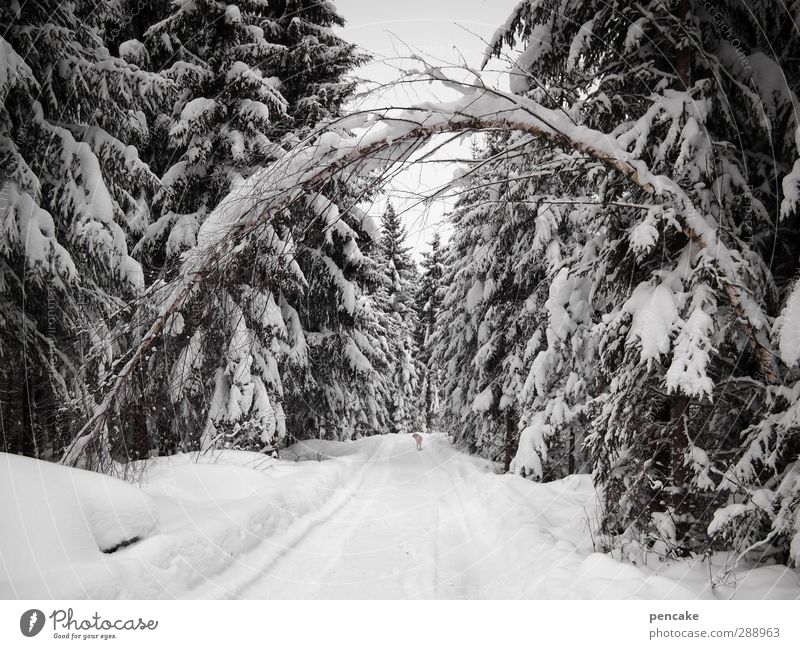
[{"x": 440, "y": 29}]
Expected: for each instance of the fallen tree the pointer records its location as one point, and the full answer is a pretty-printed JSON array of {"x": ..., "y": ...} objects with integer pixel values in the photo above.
[{"x": 368, "y": 143}]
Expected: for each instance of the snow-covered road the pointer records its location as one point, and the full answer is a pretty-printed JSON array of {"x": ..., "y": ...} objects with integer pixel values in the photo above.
[
  {"x": 409, "y": 527},
  {"x": 367, "y": 519},
  {"x": 431, "y": 524},
  {"x": 443, "y": 524}
]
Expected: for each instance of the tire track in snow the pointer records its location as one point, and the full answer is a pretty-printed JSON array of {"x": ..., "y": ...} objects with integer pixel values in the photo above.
[
  {"x": 468, "y": 550},
  {"x": 268, "y": 585},
  {"x": 236, "y": 579}
]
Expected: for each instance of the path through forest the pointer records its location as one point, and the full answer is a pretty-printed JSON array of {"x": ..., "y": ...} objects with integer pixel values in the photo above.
[
  {"x": 439, "y": 524},
  {"x": 367, "y": 519},
  {"x": 407, "y": 529}
]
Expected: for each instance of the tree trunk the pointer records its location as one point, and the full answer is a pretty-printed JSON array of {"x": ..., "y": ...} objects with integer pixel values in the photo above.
[
  {"x": 8, "y": 415},
  {"x": 683, "y": 56},
  {"x": 428, "y": 400},
  {"x": 508, "y": 442},
  {"x": 28, "y": 432},
  {"x": 44, "y": 416},
  {"x": 679, "y": 403},
  {"x": 678, "y": 411},
  {"x": 571, "y": 461}
]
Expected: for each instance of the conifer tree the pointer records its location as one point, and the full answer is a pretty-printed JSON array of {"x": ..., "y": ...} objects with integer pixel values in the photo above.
[
  {"x": 73, "y": 185},
  {"x": 402, "y": 273},
  {"x": 291, "y": 340},
  {"x": 504, "y": 248},
  {"x": 428, "y": 303},
  {"x": 646, "y": 314},
  {"x": 254, "y": 77}
]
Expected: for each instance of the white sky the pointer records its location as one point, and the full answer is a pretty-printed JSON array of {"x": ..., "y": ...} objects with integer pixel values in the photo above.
[{"x": 444, "y": 30}]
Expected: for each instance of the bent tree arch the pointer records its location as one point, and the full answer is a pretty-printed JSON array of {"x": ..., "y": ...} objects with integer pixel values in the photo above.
[{"x": 366, "y": 143}]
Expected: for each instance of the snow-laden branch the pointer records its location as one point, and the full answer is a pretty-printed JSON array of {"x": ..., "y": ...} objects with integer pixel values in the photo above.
[{"x": 368, "y": 141}]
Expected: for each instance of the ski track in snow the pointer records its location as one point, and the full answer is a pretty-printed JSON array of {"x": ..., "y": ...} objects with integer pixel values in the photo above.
[
  {"x": 376, "y": 520},
  {"x": 399, "y": 529},
  {"x": 439, "y": 524}
]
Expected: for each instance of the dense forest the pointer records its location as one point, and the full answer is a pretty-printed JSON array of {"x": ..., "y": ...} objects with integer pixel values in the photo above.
[{"x": 617, "y": 297}]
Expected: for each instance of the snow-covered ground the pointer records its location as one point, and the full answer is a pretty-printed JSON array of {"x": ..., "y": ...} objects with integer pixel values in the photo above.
[{"x": 366, "y": 519}]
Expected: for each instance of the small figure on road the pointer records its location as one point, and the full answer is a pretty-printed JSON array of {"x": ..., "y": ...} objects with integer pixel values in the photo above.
[{"x": 418, "y": 439}]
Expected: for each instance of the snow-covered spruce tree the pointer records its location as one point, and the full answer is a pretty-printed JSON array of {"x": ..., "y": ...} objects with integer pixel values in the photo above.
[
  {"x": 688, "y": 417},
  {"x": 428, "y": 300},
  {"x": 254, "y": 76},
  {"x": 476, "y": 340},
  {"x": 314, "y": 65},
  {"x": 346, "y": 389},
  {"x": 223, "y": 61},
  {"x": 288, "y": 339},
  {"x": 292, "y": 337},
  {"x": 73, "y": 184},
  {"x": 510, "y": 235},
  {"x": 402, "y": 278},
  {"x": 216, "y": 132}
]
